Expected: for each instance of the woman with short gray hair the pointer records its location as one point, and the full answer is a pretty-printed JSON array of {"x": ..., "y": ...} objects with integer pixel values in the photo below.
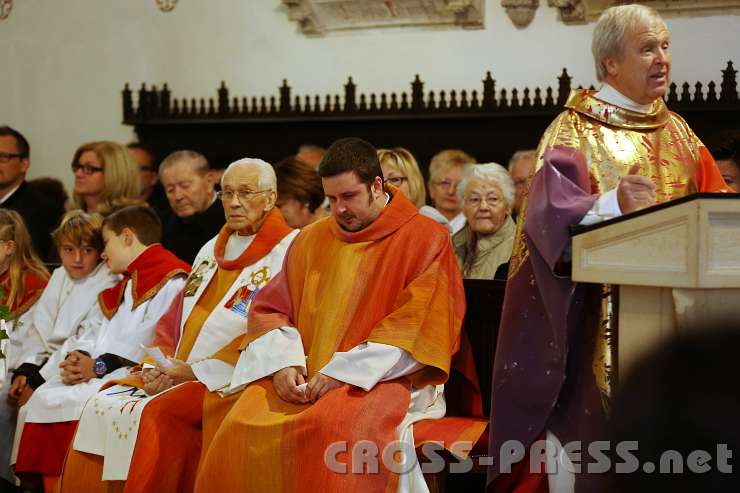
[{"x": 483, "y": 247}]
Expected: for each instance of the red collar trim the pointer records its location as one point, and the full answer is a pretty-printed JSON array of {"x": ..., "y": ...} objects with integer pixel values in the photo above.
[
  {"x": 34, "y": 286},
  {"x": 148, "y": 273}
]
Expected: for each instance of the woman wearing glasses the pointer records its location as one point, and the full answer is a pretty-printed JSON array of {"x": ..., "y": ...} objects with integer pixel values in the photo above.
[
  {"x": 106, "y": 176},
  {"x": 483, "y": 247},
  {"x": 401, "y": 170}
]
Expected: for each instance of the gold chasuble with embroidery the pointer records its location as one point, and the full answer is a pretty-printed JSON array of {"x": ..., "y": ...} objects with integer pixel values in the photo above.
[
  {"x": 612, "y": 139},
  {"x": 395, "y": 282},
  {"x": 553, "y": 360}
]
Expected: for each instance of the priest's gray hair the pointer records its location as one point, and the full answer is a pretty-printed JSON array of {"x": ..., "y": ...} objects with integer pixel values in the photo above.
[
  {"x": 267, "y": 179},
  {"x": 608, "y": 37},
  {"x": 491, "y": 173}
]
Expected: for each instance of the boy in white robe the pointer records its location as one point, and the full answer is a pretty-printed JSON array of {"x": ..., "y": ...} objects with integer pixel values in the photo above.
[
  {"x": 66, "y": 309},
  {"x": 152, "y": 277}
]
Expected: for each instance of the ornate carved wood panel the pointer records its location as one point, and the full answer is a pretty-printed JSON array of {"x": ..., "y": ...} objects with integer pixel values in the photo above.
[{"x": 489, "y": 122}]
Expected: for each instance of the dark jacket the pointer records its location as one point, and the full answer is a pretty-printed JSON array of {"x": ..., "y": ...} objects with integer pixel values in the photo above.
[
  {"x": 185, "y": 236},
  {"x": 40, "y": 214}
]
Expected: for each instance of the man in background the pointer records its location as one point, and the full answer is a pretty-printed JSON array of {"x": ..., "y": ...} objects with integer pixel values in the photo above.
[
  {"x": 151, "y": 190},
  {"x": 520, "y": 167},
  {"x": 40, "y": 214},
  {"x": 196, "y": 216}
]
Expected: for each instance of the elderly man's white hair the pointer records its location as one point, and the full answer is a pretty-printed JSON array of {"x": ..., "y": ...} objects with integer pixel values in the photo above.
[
  {"x": 267, "y": 180},
  {"x": 608, "y": 37},
  {"x": 488, "y": 172}
]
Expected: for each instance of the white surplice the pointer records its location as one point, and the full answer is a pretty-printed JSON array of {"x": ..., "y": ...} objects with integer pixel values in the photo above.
[
  {"x": 55, "y": 401},
  {"x": 102, "y": 417},
  {"x": 121, "y": 335},
  {"x": 67, "y": 309}
]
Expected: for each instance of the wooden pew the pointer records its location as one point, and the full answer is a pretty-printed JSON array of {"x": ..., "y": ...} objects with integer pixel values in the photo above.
[{"x": 485, "y": 301}]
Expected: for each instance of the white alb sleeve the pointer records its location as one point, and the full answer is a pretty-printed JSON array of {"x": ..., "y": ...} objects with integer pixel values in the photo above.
[
  {"x": 273, "y": 351},
  {"x": 605, "y": 207},
  {"x": 213, "y": 373},
  {"x": 369, "y": 363}
]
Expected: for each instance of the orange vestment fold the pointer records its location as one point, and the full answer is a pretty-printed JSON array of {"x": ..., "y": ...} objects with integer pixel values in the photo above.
[{"x": 394, "y": 282}]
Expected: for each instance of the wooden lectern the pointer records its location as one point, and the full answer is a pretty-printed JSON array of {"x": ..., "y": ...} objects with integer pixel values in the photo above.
[{"x": 677, "y": 266}]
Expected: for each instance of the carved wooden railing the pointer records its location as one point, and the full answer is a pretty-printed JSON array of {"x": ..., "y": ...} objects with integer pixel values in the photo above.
[{"x": 158, "y": 106}]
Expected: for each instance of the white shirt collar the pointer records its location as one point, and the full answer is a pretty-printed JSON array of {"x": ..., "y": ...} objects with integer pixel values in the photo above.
[
  {"x": 7, "y": 195},
  {"x": 610, "y": 95},
  {"x": 457, "y": 223},
  {"x": 236, "y": 245}
]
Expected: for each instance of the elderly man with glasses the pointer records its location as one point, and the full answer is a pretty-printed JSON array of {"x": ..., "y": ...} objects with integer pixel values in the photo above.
[
  {"x": 178, "y": 403},
  {"x": 40, "y": 214}
]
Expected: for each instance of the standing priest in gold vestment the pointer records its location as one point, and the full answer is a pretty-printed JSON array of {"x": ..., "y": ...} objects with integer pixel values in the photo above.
[{"x": 611, "y": 152}]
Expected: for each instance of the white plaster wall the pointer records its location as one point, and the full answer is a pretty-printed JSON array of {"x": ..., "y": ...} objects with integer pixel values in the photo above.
[{"x": 63, "y": 63}]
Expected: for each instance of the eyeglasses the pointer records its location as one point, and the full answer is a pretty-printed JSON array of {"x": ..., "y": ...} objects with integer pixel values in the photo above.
[
  {"x": 475, "y": 201},
  {"x": 86, "y": 168},
  {"x": 396, "y": 181},
  {"x": 7, "y": 156},
  {"x": 241, "y": 195}
]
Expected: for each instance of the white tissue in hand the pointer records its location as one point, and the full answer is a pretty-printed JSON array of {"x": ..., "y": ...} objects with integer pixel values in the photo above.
[{"x": 156, "y": 354}]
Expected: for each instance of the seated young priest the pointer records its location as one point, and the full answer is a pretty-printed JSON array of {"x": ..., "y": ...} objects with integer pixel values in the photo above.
[{"x": 350, "y": 342}]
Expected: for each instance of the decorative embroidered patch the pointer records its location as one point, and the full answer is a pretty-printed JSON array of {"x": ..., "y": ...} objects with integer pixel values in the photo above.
[
  {"x": 197, "y": 276},
  {"x": 242, "y": 298},
  {"x": 119, "y": 402}
]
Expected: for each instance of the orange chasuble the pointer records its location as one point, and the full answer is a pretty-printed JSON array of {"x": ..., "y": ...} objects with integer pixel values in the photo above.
[
  {"x": 176, "y": 423},
  {"x": 395, "y": 282}
]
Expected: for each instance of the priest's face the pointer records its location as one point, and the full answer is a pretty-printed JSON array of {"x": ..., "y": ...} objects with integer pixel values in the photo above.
[
  {"x": 354, "y": 204},
  {"x": 642, "y": 72},
  {"x": 245, "y": 204},
  {"x": 484, "y": 206}
]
